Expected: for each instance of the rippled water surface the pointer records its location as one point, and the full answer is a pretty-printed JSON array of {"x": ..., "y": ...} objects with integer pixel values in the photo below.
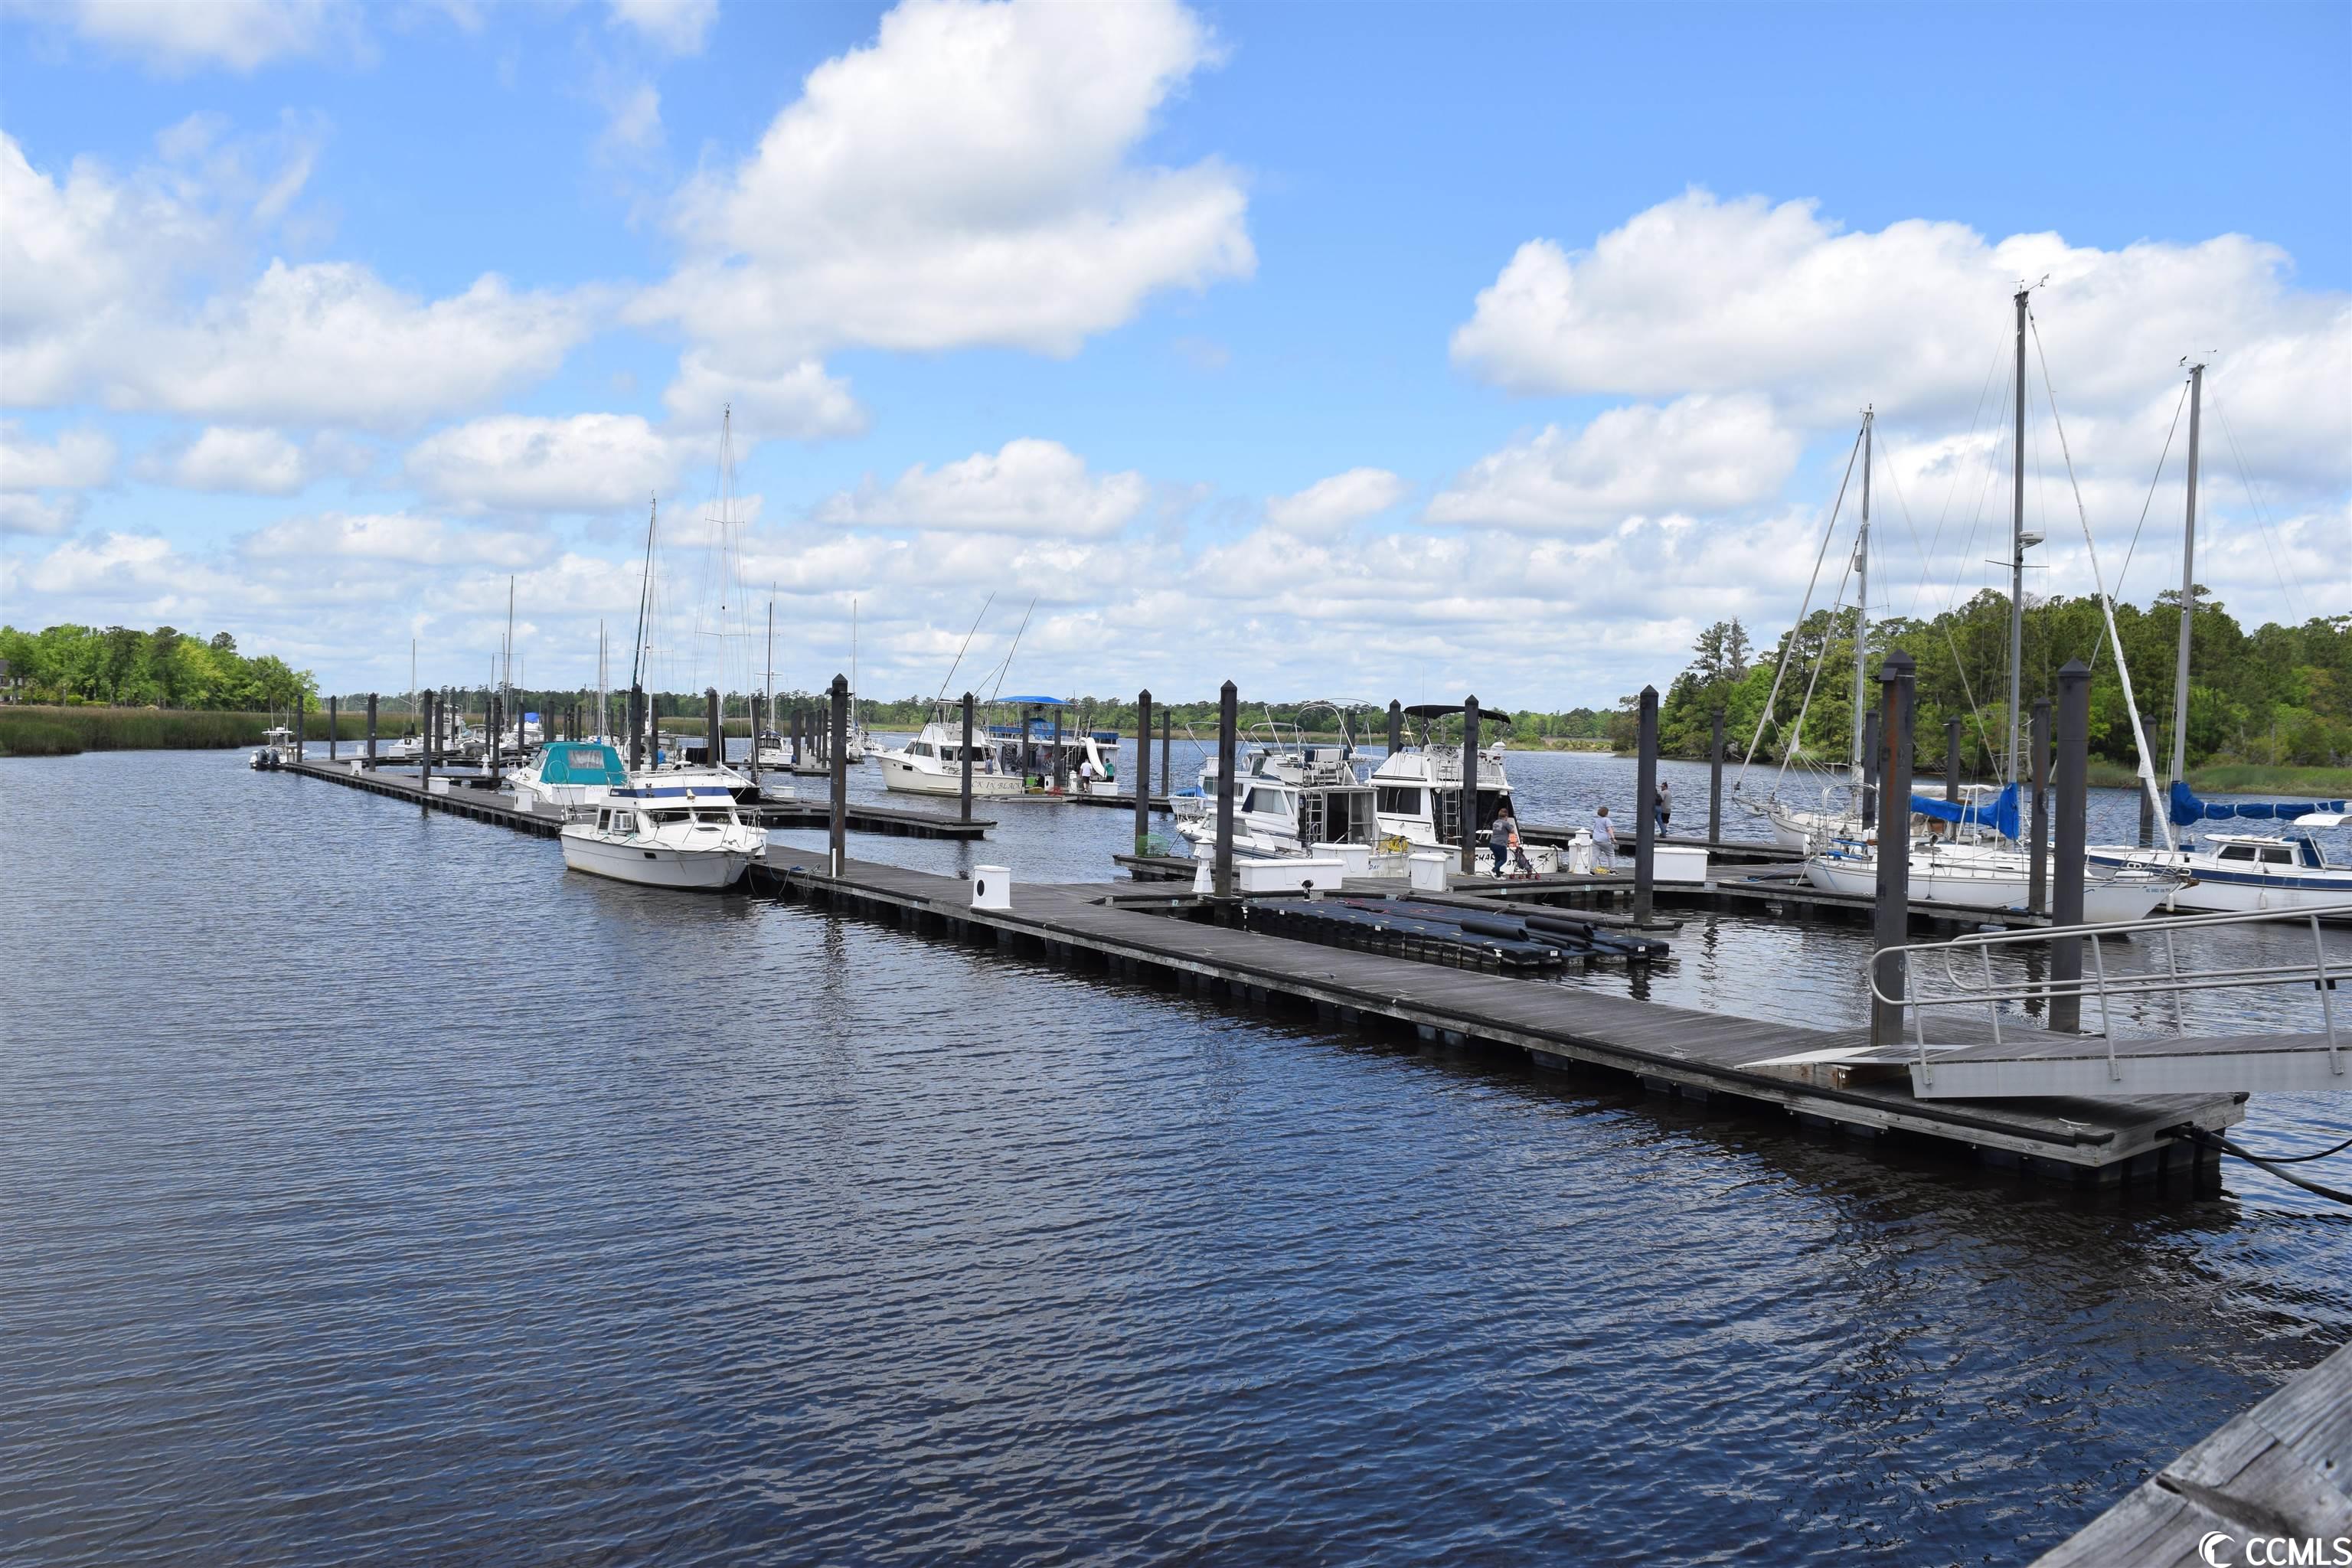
[{"x": 378, "y": 1192}]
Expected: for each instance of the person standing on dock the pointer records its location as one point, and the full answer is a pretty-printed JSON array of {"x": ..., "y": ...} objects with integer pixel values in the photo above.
[
  {"x": 1604, "y": 838},
  {"x": 1664, "y": 805},
  {"x": 1501, "y": 834}
]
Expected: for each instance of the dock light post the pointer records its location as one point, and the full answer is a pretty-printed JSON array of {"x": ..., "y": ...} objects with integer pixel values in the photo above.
[
  {"x": 1469, "y": 786},
  {"x": 1142, "y": 770},
  {"x": 1645, "y": 807},
  {"x": 1952, "y": 761},
  {"x": 371, "y": 734},
  {"x": 838, "y": 742},
  {"x": 1228, "y": 709},
  {"x": 963, "y": 785},
  {"x": 2066, "y": 895},
  {"x": 1890, "y": 919},
  {"x": 2037, "y": 895},
  {"x": 1715, "y": 778}
]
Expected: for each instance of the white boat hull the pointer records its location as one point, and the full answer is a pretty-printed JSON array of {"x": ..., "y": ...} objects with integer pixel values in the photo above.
[
  {"x": 2239, "y": 890},
  {"x": 1984, "y": 888},
  {"x": 655, "y": 867},
  {"x": 906, "y": 779}
]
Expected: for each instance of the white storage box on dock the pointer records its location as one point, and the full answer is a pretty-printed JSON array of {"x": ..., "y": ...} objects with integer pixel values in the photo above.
[
  {"x": 1204, "y": 876},
  {"x": 357, "y": 767},
  {"x": 438, "y": 786},
  {"x": 1428, "y": 870},
  {"x": 1677, "y": 863},
  {"x": 1290, "y": 874},
  {"x": 991, "y": 887},
  {"x": 1357, "y": 857}
]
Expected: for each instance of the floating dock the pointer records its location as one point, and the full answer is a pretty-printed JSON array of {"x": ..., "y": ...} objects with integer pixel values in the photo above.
[
  {"x": 1179, "y": 939},
  {"x": 2280, "y": 1472},
  {"x": 470, "y": 795}
]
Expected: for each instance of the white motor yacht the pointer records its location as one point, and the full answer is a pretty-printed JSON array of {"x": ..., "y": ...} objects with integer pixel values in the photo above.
[
  {"x": 932, "y": 763},
  {"x": 1417, "y": 789},
  {"x": 1288, "y": 802},
  {"x": 568, "y": 777},
  {"x": 659, "y": 841}
]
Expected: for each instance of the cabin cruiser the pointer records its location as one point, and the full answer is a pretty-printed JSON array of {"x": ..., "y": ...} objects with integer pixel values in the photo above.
[
  {"x": 770, "y": 749},
  {"x": 659, "y": 840},
  {"x": 1417, "y": 789},
  {"x": 567, "y": 778},
  {"x": 2249, "y": 872},
  {"x": 277, "y": 749},
  {"x": 1288, "y": 802},
  {"x": 1050, "y": 763},
  {"x": 932, "y": 763}
]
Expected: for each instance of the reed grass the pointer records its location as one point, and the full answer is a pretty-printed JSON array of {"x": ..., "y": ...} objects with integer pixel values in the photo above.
[{"x": 28, "y": 730}]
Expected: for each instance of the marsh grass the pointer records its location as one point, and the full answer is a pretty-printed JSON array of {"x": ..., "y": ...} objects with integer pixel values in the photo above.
[{"x": 38, "y": 731}]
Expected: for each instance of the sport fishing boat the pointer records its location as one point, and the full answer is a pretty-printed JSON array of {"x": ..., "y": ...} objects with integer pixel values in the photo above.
[
  {"x": 568, "y": 778},
  {"x": 658, "y": 838},
  {"x": 277, "y": 749},
  {"x": 1417, "y": 789},
  {"x": 932, "y": 763}
]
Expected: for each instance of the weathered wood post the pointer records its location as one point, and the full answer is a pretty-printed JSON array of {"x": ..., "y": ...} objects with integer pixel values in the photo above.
[
  {"x": 1142, "y": 770},
  {"x": 492, "y": 714},
  {"x": 301, "y": 706},
  {"x": 1715, "y": 778},
  {"x": 1872, "y": 727},
  {"x": 1167, "y": 748},
  {"x": 2067, "y": 891},
  {"x": 753, "y": 701},
  {"x": 2037, "y": 882},
  {"x": 1396, "y": 726},
  {"x": 334, "y": 724},
  {"x": 1890, "y": 921},
  {"x": 1952, "y": 760},
  {"x": 371, "y": 734},
  {"x": 1646, "y": 802},
  {"x": 837, "y": 754},
  {"x": 963, "y": 783},
  {"x": 431, "y": 713},
  {"x": 1061, "y": 760},
  {"x": 1469, "y": 786},
  {"x": 636, "y": 728},
  {"x": 798, "y": 723},
  {"x": 714, "y": 727},
  {"x": 1228, "y": 711}
]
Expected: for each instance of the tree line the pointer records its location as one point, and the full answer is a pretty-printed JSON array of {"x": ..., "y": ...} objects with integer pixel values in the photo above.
[
  {"x": 2276, "y": 696},
  {"x": 167, "y": 668}
]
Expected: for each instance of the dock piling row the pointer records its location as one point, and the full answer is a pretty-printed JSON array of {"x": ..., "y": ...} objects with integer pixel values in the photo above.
[
  {"x": 1645, "y": 807},
  {"x": 1144, "y": 771},
  {"x": 1470, "y": 786},
  {"x": 838, "y": 765},
  {"x": 1890, "y": 921},
  {"x": 1228, "y": 707},
  {"x": 2066, "y": 896}
]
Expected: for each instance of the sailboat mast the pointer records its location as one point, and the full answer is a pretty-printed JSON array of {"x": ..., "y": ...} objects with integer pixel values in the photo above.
[
  {"x": 1862, "y": 606},
  {"x": 2017, "y": 551},
  {"x": 2188, "y": 587}
]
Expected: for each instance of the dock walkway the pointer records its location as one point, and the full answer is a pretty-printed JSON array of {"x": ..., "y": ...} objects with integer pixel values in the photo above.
[{"x": 1702, "y": 1056}]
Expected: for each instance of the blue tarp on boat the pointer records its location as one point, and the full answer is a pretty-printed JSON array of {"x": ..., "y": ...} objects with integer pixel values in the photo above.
[
  {"x": 2187, "y": 809},
  {"x": 1999, "y": 813}
]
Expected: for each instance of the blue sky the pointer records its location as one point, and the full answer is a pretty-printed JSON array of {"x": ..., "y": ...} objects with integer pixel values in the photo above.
[{"x": 1354, "y": 350}]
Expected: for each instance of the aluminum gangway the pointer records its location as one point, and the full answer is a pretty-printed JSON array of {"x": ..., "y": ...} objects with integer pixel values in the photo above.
[{"x": 2005, "y": 1057}]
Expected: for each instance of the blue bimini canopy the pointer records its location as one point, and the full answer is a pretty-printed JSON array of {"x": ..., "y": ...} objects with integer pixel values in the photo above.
[
  {"x": 583, "y": 763},
  {"x": 1035, "y": 702},
  {"x": 2000, "y": 814},
  {"x": 2186, "y": 808}
]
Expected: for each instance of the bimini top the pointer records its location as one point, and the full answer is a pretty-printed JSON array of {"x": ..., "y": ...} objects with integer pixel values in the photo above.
[
  {"x": 2187, "y": 810},
  {"x": 583, "y": 763},
  {"x": 1441, "y": 709},
  {"x": 1037, "y": 701}
]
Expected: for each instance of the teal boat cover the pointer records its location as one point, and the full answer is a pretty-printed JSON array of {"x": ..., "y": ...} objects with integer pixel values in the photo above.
[{"x": 579, "y": 762}]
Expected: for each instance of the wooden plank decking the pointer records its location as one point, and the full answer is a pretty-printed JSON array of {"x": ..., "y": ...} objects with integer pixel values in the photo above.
[{"x": 1702, "y": 1055}]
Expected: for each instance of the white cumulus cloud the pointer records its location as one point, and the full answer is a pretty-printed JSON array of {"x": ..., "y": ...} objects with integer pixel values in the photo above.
[
  {"x": 1030, "y": 487},
  {"x": 800, "y": 402},
  {"x": 179, "y": 36},
  {"x": 395, "y": 538},
  {"x": 76, "y": 459},
  {"x": 678, "y": 26},
  {"x": 1330, "y": 505},
  {"x": 233, "y": 458},
  {"x": 589, "y": 462}
]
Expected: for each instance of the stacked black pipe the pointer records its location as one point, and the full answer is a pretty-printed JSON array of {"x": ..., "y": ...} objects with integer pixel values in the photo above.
[{"x": 1447, "y": 934}]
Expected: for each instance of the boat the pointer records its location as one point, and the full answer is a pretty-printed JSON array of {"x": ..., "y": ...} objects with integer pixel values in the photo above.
[
  {"x": 277, "y": 751},
  {"x": 1939, "y": 875},
  {"x": 2245, "y": 873},
  {"x": 568, "y": 778},
  {"x": 1417, "y": 789},
  {"x": 933, "y": 761},
  {"x": 1049, "y": 761},
  {"x": 657, "y": 837},
  {"x": 1292, "y": 795}
]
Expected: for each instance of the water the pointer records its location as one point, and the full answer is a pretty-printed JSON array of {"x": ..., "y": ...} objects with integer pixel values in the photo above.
[{"x": 378, "y": 1192}]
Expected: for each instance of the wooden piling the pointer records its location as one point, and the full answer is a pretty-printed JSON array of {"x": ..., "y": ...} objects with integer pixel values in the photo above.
[
  {"x": 1469, "y": 826},
  {"x": 1228, "y": 711},
  {"x": 1715, "y": 778},
  {"x": 754, "y": 754},
  {"x": 300, "y": 705},
  {"x": 1645, "y": 806},
  {"x": 1873, "y": 724},
  {"x": 334, "y": 724},
  {"x": 1061, "y": 761},
  {"x": 1396, "y": 726},
  {"x": 2067, "y": 891},
  {"x": 1952, "y": 760},
  {"x": 1167, "y": 749},
  {"x": 636, "y": 728},
  {"x": 1143, "y": 772},
  {"x": 963, "y": 785},
  {"x": 837, "y": 752},
  {"x": 430, "y": 714},
  {"x": 371, "y": 733},
  {"x": 1890, "y": 919},
  {"x": 492, "y": 714},
  {"x": 2037, "y": 882}
]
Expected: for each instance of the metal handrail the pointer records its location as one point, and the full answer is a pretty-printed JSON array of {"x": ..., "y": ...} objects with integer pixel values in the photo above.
[{"x": 2173, "y": 981}]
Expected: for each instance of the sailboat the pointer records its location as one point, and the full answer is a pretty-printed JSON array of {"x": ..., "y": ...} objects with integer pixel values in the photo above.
[{"x": 859, "y": 744}]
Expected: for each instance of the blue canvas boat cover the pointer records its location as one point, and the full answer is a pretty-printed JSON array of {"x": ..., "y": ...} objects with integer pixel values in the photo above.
[
  {"x": 2000, "y": 814},
  {"x": 583, "y": 763},
  {"x": 2186, "y": 808}
]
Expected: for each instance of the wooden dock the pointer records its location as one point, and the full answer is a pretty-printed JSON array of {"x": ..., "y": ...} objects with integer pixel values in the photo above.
[
  {"x": 1700, "y": 1055},
  {"x": 2280, "y": 1472},
  {"x": 469, "y": 795}
]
